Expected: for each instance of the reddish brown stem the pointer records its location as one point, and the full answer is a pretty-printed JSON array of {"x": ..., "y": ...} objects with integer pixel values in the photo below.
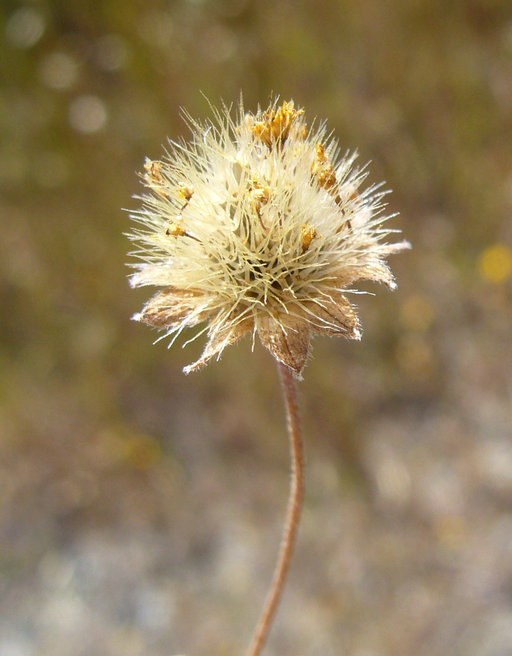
[{"x": 293, "y": 513}]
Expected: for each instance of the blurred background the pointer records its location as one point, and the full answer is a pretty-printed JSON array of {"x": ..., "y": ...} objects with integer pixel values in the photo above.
[{"x": 141, "y": 510}]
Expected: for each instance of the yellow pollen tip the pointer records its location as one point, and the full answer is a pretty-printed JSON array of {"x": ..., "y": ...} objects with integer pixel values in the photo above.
[
  {"x": 152, "y": 169},
  {"x": 308, "y": 233},
  {"x": 175, "y": 230},
  {"x": 185, "y": 192},
  {"x": 276, "y": 124},
  {"x": 322, "y": 170}
]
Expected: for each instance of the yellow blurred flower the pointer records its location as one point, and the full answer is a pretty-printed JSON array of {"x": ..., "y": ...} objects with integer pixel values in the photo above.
[{"x": 495, "y": 263}]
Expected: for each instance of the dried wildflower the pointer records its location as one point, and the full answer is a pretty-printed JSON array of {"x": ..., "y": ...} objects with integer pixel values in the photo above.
[{"x": 257, "y": 225}]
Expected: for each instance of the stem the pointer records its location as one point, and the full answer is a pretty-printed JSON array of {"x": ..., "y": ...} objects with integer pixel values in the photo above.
[{"x": 292, "y": 515}]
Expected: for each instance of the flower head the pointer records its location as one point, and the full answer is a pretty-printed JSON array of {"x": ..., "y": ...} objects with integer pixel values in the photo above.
[{"x": 257, "y": 225}]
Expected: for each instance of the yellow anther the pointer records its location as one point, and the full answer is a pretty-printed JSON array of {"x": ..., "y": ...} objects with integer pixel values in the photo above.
[
  {"x": 152, "y": 168},
  {"x": 175, "y": 230},
  {"x": 322, "y": 170},
  {"x": 276, "y": 124},
  {"x": 307, "y": 233},
  {"x": 184, "y": 191}
]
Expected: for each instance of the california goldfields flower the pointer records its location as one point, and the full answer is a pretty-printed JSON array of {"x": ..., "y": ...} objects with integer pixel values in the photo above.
[{"x": 257, "y": 225}]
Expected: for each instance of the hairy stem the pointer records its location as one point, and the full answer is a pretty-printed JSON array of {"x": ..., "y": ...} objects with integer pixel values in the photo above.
[{"x": 293, "y": 513}]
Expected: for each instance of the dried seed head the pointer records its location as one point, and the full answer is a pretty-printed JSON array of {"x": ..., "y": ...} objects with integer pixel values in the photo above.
[{"x": 257, "y": 225}]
